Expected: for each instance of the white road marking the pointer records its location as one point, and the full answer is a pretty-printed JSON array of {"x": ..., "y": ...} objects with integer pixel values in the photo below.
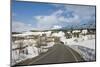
[
  {"x": 73, "y": 55},
  {"x": 53, "y": 51}
]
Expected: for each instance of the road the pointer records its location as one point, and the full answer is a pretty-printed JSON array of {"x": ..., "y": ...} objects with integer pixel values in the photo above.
[{"x": 59, "y": 53}]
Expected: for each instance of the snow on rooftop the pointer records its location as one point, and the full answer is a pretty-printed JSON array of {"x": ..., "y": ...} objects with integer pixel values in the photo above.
[{"x": 76, "y": 31}]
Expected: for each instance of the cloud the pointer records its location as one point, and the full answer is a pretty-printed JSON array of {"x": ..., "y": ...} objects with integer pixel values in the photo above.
[
  {"x": 20, "y": 26},
  {"x": 55, "y": 18},
  {"x": 57, "y": 13},
  {"x": 64, "y": 15},
  {"x": 82, "y": 11},
  {"x": 45, "y": 22},
  {"x": 57, "y": 27}
]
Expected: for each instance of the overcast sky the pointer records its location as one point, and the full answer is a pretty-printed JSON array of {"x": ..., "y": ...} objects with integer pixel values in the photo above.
[{"x": 40, "y": 16}]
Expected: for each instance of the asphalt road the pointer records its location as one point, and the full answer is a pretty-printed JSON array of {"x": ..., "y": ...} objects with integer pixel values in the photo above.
[{"x": 57, "y": 54}]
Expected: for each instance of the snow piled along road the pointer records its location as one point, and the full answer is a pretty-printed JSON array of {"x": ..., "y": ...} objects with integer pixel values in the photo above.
[
  {"x": 85, "y": 48},
  {"x": 85, "y": 43}
]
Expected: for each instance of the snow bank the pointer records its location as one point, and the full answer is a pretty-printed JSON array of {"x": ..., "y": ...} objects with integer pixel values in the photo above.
[
  {"x": 87, "y": 43},
  {"x": 84, "y": 45},
  {"x": 28, "y": 50},
  {"x": 50, "y": 44},
  {"x": 87, "y": 53}
]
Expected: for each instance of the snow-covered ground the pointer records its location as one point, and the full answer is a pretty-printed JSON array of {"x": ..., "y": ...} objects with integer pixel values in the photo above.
[
  {"x": 87, "y": 53},
  {"x": 85, "y": 43},
  {"x": 28, "y": 49},
  {"x": 29, "y": 52},
  {"x": 85, "y": 46}
]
